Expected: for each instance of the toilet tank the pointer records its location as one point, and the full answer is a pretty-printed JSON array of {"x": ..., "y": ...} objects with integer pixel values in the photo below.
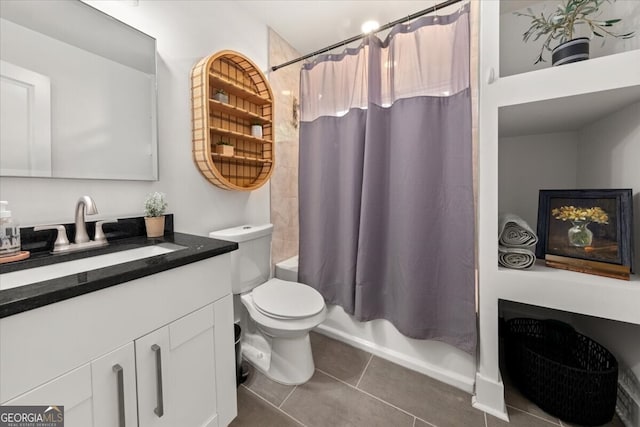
[{"x": 251, "y": 263}]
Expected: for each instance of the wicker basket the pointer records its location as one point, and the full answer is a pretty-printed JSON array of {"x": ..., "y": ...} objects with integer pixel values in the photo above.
[{"x": 565, "y": 373}]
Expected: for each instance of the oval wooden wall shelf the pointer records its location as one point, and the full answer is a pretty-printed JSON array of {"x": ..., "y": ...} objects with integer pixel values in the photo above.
[{"x": 250, "y": 102}]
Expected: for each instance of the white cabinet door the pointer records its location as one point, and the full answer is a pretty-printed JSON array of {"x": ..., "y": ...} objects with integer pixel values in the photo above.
[
  {"x": 71, "y": 390},
  {"x": 152, "y": 362},
  {"x": 114, "y": 388},
  {"x": 176, "y": 373},
  {"x": 193, "y": 370}
]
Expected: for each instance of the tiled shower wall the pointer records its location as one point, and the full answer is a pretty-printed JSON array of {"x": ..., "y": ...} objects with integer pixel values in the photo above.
[{"x": 285, "y": 84}]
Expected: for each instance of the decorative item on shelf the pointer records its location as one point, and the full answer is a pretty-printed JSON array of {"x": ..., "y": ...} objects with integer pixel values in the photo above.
[
  {"x": 516, "y": 242},
  {"x": 224, "y": 148},
  {"x": 256, "y": 130},
  {"x": 154, "y": 209},
  {"x": 560, "y": 26},
  {"x": 588, "y": 231},
  {"x": 221, "y": 96}
]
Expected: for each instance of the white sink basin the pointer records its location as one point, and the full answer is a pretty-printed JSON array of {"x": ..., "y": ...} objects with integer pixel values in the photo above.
[{"x": 48, "y": 272}]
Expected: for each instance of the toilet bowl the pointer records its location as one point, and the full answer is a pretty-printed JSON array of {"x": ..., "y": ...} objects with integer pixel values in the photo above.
[
  {"x": 275, "y": 315},
  {"x": 284, "y": 312}
]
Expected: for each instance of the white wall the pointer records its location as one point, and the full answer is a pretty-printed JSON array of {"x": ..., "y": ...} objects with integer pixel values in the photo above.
[
  {"x": 186, "y": 31},
  {"x": 530, "y": 163},
  {"x": 609, "y": 157},
  {"x": 517, "y": 56}
]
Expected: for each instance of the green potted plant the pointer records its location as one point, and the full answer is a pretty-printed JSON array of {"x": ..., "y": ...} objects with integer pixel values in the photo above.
[
  {"x": 221, "y": 96},
  {"x": 256, "y": 129},
  {"x": 154, "y": 208},
  {"x": 224, "y": 148},
  {"x": 560, "y": 27}
]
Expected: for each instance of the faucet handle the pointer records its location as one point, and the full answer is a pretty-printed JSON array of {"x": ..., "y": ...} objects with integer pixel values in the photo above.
[
  {"x": 99, "y": 236},
  {"x": 61, "y": 238}
]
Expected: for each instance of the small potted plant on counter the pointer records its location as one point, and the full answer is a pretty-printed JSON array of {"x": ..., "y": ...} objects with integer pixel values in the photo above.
[
  {"x": 224, "y": 148},
  {"x": 154, "y": 208},
  {"x": 221, "y": 96},
  {"x": 256, "y": 129},
  {"x": 560, "y": 26}
]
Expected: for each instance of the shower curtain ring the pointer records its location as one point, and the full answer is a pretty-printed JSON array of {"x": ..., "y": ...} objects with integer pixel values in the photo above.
[{"x": 435, "y": 11}]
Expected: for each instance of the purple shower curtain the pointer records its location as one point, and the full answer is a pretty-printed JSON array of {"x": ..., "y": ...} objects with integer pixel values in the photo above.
[{"x": 386, "y": 185}]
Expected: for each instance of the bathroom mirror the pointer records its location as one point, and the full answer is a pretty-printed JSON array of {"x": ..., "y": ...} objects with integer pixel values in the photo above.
[{"x": 77, "y": 93}]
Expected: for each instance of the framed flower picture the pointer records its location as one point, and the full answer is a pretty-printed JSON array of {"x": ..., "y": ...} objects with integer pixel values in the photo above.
[{"x": 587, "y": 230}]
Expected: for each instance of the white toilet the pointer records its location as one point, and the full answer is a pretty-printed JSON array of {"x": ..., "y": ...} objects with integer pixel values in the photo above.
[{"x": 275, "y": 315}]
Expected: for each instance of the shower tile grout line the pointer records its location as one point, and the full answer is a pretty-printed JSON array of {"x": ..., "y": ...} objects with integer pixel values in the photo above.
[
  {"x": 371, "y": 395},
  {"x": 364, "y": 370},
  {"x": 274, "y": 406},
  {"x": 288, "y": 396}
]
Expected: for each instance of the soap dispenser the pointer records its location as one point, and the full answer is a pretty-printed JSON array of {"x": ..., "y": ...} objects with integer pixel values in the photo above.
[{"x": 9, "y": 232}]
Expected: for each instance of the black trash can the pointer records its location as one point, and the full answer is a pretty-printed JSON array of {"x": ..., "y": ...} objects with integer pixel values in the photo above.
[{"x": 241, "y": 374}]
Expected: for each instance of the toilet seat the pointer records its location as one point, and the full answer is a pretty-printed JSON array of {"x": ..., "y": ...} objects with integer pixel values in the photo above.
[{"x": 281, "y": 299}]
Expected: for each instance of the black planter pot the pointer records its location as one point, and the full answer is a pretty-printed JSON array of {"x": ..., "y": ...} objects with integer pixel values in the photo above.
[{"x": 572, "y": 51}]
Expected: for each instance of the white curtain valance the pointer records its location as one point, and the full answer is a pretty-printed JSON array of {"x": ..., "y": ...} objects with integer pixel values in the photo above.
[{"x": 428, "y": 57}]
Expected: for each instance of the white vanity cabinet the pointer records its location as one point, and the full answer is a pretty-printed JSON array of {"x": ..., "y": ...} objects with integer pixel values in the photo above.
[
  {"x": 113, "y": 379},
  {"x": 71, "y": 390},
  {"x": 90, "y": 394},
  {"x": 155, "y": 351}
]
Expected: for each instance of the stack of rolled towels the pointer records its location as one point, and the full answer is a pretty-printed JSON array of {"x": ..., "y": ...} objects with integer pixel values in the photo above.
[{"x": 516, "y": 242}]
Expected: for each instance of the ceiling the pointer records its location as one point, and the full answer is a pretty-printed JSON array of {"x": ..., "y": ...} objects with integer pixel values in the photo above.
[{"x": 309, "y": 25}]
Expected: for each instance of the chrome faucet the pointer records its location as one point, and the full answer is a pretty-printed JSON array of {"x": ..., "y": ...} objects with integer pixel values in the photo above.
[{"x": 85, "y": 205}]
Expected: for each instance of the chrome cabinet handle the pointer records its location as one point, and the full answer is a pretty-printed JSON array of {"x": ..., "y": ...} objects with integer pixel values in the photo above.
[
  {"x": 120, "y": 375},
  {"x": 159, "y": 411}
]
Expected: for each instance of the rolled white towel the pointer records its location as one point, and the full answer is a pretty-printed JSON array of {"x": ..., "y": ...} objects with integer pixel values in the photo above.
[
  {"x": 514, "y": 232},
  {"x": 519, "y": 258}
]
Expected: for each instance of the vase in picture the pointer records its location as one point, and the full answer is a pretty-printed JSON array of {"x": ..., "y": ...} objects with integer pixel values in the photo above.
[{"x": 579, "y": 234}]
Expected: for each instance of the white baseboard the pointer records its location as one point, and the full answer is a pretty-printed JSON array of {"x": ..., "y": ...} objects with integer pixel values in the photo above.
[
  {"x": 446, "y": 376},
  {"x": 490, "y": 397}
]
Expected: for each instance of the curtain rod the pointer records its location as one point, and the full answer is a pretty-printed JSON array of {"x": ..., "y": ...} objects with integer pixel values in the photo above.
[{"x": 361, "y": 36}]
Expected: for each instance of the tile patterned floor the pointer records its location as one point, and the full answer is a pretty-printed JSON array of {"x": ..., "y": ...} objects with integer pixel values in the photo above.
[{"x": 353, "y": 388}]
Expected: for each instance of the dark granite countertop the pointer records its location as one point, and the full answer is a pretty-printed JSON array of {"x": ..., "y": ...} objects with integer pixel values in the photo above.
[{"x": 28, "y": 297}]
